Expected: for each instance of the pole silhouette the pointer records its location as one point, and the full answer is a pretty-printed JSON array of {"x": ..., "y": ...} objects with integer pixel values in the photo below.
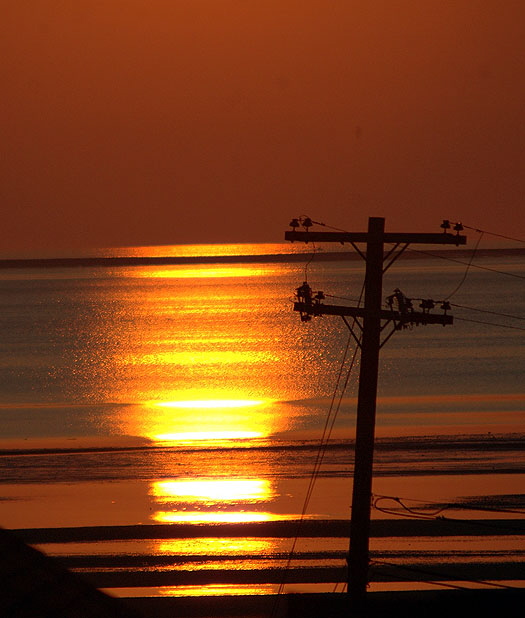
[{"x": 372, "y": 315}]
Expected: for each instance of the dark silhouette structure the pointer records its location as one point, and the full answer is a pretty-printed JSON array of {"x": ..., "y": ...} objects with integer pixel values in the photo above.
[{"x": 371, "y": 328}]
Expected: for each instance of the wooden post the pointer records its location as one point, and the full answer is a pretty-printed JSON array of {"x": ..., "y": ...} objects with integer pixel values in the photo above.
[{"x": 366, "y": 413}]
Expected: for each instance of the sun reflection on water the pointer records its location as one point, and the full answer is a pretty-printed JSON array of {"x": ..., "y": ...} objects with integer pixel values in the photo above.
[
  {"x": 204, "y": 272},
  {"x": 212, "y": 500},
  {"x": 196, "y": 436},
  {"x": 180, "y": 420},
  {"x": 215, "y": 517},
  {"x": 211, "y": 403},
  {"x": 200, "y": 358},
  {"x": 247, "y": 490},
  {"x": 214, "y": 421}
]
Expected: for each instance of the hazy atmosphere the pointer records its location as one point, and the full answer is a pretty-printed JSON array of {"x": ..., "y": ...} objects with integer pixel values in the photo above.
[
  {"x": 200, "y": 418},
  {"x": 171, "y": 121}
]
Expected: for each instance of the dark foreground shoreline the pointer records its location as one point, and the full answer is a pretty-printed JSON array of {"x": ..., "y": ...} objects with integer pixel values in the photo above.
[
  {"x": 33, "y": 584},
  {"x": 412, "y": 604},
  {"x": 153, "y": 571}
]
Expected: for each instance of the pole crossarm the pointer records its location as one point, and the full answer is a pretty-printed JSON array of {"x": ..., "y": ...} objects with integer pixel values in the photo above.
[
  {"x": 412, "y": 317},
  {"x": 387, "y": 237}
]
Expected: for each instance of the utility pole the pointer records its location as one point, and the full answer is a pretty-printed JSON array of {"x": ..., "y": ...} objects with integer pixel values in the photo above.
[{"x": 373, "y": 321}]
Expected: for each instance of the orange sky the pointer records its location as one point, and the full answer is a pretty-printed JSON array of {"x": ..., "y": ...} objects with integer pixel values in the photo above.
[{"x": 168, "y": 121}]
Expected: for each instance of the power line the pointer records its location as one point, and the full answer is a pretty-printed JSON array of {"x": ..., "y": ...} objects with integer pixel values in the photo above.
[
  {"x": 475, "y": 229},
  {"x": 327, "y": 431},
  {"x": 458, "y": 287},
  {"x": 370, "y": 344},
  {"x": 310, "y": 260},
  {"x": 503, "y": 315},
  {"x": 489, "y": 323},
  {"x": 468, "y": 227},
  {"x": 431, "y": 573},
  {"x": 451, "y": 259},
  {"x": 469, "y": 264},
  {"x": 412, "y": 512},
  {"x": 332, "y": 415},
  {"x": 354, "y": 300},
  {"x": 438, "y": 508}
]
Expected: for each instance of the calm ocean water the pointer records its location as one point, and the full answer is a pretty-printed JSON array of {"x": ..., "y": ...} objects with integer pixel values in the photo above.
[{"x": 193, "y": 393}]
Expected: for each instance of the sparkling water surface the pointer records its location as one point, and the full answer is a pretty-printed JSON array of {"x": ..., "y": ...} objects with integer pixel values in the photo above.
[{"x": 194, "y": 394}]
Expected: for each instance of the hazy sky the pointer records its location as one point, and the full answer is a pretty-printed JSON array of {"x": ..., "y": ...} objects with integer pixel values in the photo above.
[{"x": 167, "y": 121}]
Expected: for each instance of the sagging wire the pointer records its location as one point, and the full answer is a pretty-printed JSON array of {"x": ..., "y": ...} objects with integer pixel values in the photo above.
[
  {"x": 483, "y": 509},
  {"x": 331, "y": 227},
  {"x": 421, "y": 571},
  {"x": 440, "y": 508},
  {"x": 459, "y": 226},
  {"x": 489, "y": 323},
  {"x": 306, "y": 222},
  {"x": 413, "y": 513},
  {"x": 417, "y": 514},
  {"x": 407, "y": 568},
  {"x": 354, "y": 300},
  {"x": 460, "y": 284},
  {"x": 498, "y": 313},
  {"x": 307, "y": 264},
  {"x": 327, "y": 431},
  {"x": 475, "y": 229},
  {"x": 331, "y": 417},
  {"x": 478, "y": 266}
]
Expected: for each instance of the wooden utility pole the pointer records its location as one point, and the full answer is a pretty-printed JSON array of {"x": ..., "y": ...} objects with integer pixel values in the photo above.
[
  {"x": 366, "y": 412},
  {"x": 372, "y": 315}
]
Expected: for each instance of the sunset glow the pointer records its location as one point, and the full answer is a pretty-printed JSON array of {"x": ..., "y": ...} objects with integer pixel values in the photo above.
[
  {"x": 205, "y": 495},
  {"x": 201, "y": 357},
  {"x": 211, "y": 122},
  {"x": 211, "y": 403},
  {"x": 224, "y": 517},
  {"x": 213, "y": 379},
  {"x": 246, "y": 490},
  {"x": 218, "y": 420},
  {"x": 191, "y": 436},
  {"x": 203, "y": 272}
]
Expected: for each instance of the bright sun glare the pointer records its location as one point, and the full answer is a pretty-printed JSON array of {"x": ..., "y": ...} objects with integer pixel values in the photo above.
[
  {"x": 213, "y": 489},
  {"x": 211, "y": 403},
  {"x": 205, "y": 494},
  {"x": 189, "y": 436},
  {"x": 213, "y": 419}
]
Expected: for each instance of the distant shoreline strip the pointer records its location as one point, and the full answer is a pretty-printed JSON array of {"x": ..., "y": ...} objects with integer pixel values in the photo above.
[
  {"x": 115, "y": 262},
  {"x": 279, "y": 529},
  {"x": 472, "y": 442}
]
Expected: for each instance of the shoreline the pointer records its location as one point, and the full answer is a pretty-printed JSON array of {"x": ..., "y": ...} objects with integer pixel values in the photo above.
[
  {"x": 112, "y": 262},
  {"x": 501, "y": 441},
  {"x": 310, "y": 528}
]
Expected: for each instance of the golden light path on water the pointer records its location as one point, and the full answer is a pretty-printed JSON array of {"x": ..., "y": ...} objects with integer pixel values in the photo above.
[
  {"x": 214, "y": 500},
  {"x": 220, "y": 422},
  {"x": 219, "y": 365},
  {"x": 204, "y": 495},
  {"x": 211, "y": 419},
  {"x": 215, "y": 517},
  {"x": 212, "y": 490},
  {"x": 180, "y": 419},
  {"x": 204, "y": 272},
  {"x": 206, "y": 375}
]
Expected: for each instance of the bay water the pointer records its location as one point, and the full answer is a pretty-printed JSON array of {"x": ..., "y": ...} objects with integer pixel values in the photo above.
[{"x": 191, "y": 393}]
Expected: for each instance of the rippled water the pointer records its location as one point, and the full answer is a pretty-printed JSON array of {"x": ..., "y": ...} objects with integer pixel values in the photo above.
[{"x": 193, "y": 393}]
